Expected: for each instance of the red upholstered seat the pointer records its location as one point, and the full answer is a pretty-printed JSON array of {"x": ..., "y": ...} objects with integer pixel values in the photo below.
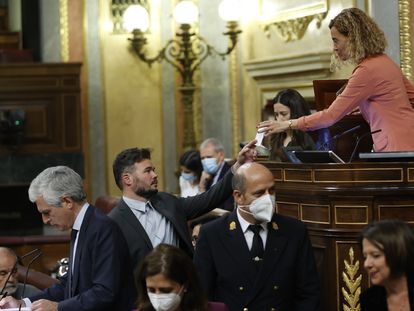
[{"x": 106, "y": 203}]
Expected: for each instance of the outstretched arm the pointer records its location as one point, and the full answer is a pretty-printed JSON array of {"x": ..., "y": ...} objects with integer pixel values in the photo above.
[{"x": 246, "y": 155}]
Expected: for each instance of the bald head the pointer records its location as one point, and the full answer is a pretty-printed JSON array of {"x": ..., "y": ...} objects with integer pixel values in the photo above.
[
  {"x": 7, "y": 252},
  {"x": 251, "y": 182},
  {"x": 250, "y": 173}
]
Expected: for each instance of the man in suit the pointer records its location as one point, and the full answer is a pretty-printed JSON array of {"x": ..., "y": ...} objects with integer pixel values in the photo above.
[
  {"x": 254, "y": 258},
  {"x": 100, "y": 273},
  {"x": 148, "y": 217},
  {"x": 8, "y": 276},
  {"x": 214, "y": 167}
]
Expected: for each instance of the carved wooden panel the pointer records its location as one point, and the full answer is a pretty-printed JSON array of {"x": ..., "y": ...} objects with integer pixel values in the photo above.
[
  {"x": 289, "y": 209},
  {"x": 336, "y": 201},
  {"x": 49, "y": 95}
]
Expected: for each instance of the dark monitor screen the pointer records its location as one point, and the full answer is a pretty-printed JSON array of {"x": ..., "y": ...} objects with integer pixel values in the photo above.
[{"x": 317, "y": 156}]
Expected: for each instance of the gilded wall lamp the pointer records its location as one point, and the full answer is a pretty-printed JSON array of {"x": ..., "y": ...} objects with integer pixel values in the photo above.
[{"x": 186, "y": 52}]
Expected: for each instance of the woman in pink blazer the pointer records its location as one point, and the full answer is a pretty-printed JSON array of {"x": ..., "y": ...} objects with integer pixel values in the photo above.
[{"x": 377, "y": 87}]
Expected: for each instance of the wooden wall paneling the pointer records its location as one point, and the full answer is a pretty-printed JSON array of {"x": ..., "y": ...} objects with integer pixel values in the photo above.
[{"x": 336, "y": 201}]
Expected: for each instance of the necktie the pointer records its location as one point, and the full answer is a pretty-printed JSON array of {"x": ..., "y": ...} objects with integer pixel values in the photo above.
[
  {"x": 149, "y": 225},
  {"x": 73, "y": 235},
  {"x": 257, "y": 249}
]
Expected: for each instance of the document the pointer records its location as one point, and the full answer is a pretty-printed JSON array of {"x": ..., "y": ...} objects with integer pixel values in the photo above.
[{"x": 262, "y": 150}]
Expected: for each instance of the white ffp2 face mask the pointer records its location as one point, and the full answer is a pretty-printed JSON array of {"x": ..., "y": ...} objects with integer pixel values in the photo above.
[
  {"x": 262, "y": 208},
  {"x": 165, "y": 302}
]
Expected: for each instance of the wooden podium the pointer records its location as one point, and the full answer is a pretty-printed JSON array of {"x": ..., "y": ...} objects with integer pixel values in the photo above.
[{"x": 336, "y": 201}]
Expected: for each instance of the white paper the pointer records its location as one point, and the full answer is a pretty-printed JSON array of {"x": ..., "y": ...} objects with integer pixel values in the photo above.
[
  {"x": 17, "y": 309},
  {"x": 259, "y": 138}
]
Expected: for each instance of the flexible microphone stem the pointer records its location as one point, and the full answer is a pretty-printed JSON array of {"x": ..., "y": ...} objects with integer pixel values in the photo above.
[
  {"x": 337, "y": 136},
  {"x": 357, "y": 143},
  {"x": 27, "y": 271},
  {"x": 14, "y": 267}
]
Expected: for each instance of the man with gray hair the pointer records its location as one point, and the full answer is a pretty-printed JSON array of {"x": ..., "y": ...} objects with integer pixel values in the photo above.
[
  {"x": 214, "y": 167},
  {"x": 100, "y": 273}
]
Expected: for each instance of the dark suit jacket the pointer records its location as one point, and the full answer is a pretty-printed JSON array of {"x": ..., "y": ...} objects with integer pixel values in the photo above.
[
  {"x": 103, "y": 273},
  {"x": 177, "y": 210},
  {"x": 286, "y": 281},
  {"x": 375, "y": 297},
  {"x": 229, "y": 203}
]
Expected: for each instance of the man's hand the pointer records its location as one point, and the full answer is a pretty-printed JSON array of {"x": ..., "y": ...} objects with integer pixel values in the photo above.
[
  {"x": 44, "y": 305},
  {"x": 10, "y": 302},
  {"x": 246, "y": 155}
]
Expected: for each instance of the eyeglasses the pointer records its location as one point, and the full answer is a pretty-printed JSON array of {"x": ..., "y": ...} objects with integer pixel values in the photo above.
[{"x": 5, "y": 273}]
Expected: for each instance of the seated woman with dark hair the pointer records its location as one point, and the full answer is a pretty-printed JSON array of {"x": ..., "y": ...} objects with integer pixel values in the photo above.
[
  {"x": 167, "y": 281},
  {"x": 289, "y": 104},
  {"x": 388, "y": 249},
  {"x": 191, "y": 169}
]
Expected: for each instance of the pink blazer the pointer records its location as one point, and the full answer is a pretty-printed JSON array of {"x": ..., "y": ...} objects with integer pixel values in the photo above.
[{"x": 385, "y": 98}]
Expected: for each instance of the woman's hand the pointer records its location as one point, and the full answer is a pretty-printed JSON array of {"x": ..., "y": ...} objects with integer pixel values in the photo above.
[{"x": 272, "y": 127}]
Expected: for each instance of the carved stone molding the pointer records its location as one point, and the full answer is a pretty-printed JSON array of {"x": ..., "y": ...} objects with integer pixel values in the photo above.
[
  {"x": 290, "y": 71},
  {"x": 292, "y": 24}
]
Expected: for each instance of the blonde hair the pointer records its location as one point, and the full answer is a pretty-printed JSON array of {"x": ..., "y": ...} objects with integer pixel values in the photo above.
[{"x": 365, "y": 37}]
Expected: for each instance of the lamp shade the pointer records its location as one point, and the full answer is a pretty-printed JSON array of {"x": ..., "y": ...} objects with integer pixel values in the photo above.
[
  {"x": 136, "y": 17},
  {"x": 230, "y": 10},
  {"x": 185, "y": 12}
]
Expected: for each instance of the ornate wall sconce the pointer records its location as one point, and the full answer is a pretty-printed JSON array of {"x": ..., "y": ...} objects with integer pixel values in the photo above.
[{"x": 186, "y": 52}]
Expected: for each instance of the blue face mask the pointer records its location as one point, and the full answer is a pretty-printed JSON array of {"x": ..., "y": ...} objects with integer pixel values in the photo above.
[
  {"x": 188, "y": 176},
  {"x": 210, "y": 165}
]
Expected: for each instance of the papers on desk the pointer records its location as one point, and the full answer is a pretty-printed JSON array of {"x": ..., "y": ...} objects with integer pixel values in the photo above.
[{"x": 17, "y": 309}]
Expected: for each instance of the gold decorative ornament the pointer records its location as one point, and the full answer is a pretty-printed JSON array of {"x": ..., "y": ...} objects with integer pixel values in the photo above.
[
  {"x": 232, "y": 225},
  {"x": 292, "y": 24},
  {"x": 405, "y": 37},
  {"x": 64, "y": 30},
  {"x": 353, "y": 286}
]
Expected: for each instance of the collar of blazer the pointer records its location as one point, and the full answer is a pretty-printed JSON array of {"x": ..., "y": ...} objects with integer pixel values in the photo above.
[
  {"x": 83, "y": 232},
  {"x": 167, "y": 205},
  {"x": 129, "y": 218}
]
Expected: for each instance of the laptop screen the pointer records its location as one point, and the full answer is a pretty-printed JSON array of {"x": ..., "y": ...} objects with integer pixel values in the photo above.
[{"x": 317, "y": 156}]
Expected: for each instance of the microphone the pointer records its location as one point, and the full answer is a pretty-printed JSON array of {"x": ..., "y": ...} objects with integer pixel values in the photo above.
[
  {"x": 357, "y": 143},
  {"x": 337, "y": 136},
  {"x": 39, "y": 253},
  {"x": 19, "y": 258}
]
